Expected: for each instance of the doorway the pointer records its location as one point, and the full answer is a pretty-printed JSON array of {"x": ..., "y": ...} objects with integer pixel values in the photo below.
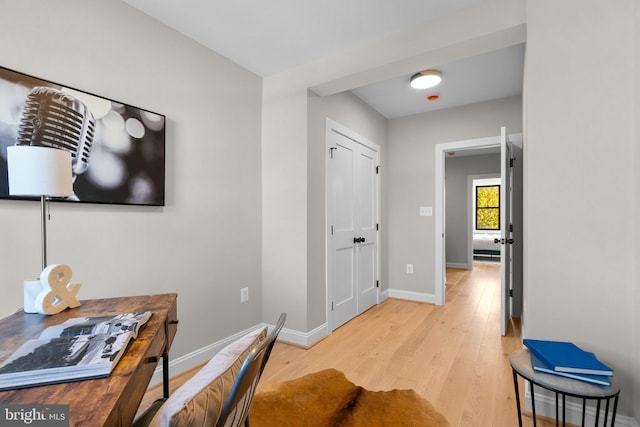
[
  {"x": 353, "y": 194},
  {"x": 510, "y": 148}
]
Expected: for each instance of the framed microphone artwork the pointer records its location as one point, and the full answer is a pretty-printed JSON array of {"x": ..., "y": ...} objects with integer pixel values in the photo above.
[{"x": 117, "y": 150}]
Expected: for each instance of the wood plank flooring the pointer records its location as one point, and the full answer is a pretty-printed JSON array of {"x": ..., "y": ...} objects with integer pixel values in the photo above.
[{"x": 453, "y": 355}]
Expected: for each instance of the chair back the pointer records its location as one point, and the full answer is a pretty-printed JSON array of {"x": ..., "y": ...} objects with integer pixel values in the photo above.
[{"x": 235, "y": 410}]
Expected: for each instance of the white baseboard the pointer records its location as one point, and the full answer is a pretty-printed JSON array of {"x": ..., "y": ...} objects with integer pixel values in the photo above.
[
  {"x": 411, "y": 296},
  {"x": 459, "y": 265},
  {"x": 304, "y": 339},
  {"x": 199, "y": 356},
  {"x": 546, "y": 406},
  {"x": 204, "y": 354}
]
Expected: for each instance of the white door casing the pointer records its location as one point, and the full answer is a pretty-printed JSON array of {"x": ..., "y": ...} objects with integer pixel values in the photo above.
[
  {"x": 352, "y": 224},
  {"x": 441, "y": 151},
  {"x": 503, "y": 142}
]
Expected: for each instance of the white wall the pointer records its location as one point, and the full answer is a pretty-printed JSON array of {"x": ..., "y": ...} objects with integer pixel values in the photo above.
[
  {"x": 579, "y": 278},
  {"x": 205, "y": 243},
  {"x": 412, "y": 177}
]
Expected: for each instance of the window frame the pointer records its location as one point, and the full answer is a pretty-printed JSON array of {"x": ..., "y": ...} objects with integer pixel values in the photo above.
[{"x": 478, "y": 208}]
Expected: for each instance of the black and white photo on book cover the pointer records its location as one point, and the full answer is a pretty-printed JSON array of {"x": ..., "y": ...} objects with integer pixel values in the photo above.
[
  {"x": 126, "y": 322},
  {"x": 80, "y": 348}
]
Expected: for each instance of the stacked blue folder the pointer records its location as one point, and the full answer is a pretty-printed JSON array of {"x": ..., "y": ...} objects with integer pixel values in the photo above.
[{"x": 568, "y": 360}]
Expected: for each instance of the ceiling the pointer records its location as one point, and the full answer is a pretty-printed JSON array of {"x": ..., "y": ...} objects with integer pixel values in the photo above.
[{"x": 270, "y": 37}]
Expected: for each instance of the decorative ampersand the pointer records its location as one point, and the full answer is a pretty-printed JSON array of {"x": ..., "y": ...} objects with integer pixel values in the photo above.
[{"x": 58, "y": 293}]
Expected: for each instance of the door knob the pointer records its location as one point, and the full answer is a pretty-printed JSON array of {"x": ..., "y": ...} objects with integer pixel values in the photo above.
[
  {"x": 503, "y": 241},
  {"x": 358, "y": 239}
]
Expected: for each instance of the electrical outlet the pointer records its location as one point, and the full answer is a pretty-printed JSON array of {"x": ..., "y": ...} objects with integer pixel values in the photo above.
[
  {"x": 244, "y": 294},
  {"x": 426, "y": 211},
  {"x": 409, "y": 268}
]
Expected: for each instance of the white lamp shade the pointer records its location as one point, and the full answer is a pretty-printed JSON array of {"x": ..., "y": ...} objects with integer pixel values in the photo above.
[{"x": 39, "y": 171}]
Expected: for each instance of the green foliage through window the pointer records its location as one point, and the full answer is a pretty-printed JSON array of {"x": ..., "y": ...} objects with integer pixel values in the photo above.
[{"x": 488, "y": 207}]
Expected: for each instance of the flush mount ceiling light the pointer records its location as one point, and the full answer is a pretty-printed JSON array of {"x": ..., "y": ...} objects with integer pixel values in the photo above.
[{"x": 426, "y": 79}]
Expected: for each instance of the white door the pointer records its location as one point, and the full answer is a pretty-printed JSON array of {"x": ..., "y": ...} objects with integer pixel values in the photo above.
[
  {"x": 505, "y": 230},
  {"x": 352, "y": 213},
  {"x": 367, "y": 225}
]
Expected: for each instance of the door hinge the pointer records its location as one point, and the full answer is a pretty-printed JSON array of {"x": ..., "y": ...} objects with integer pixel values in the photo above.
[
  {"x": 377, "y": 169},
  {"x": 510, "y": 228},
  {"x": 332, "y": 230},
  {"x": 511, "y": 160},
  {"x": 377, "y": 283},
  {"x": 511, "y": 293},
  {"x": 331, "y": 305},
  {"x": 331, "y": 150},
  {"x": 377, "y": 227}
]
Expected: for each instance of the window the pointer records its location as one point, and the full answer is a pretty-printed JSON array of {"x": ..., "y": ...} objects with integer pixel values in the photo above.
[{"x": 488, "y": 207}]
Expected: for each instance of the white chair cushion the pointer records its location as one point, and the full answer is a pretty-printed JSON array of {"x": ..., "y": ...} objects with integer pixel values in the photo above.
[{"x": 199, "y": 401}]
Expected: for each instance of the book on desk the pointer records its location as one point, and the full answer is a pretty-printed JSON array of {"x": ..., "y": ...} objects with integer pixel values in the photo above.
[
  {"x": 80, "y": 348},
  {"x": 567, "y": 359}
]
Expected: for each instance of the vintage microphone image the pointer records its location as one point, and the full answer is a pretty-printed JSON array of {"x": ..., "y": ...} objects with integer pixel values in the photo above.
[
  {"x": 117, "y": 150},
  {"x": 52, "y": 118}
]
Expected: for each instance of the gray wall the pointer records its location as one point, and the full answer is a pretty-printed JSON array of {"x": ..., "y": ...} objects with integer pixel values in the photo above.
[
  {"x": 411, "y": 178},
  {"x": 458, "y": 204},
  {"x": 285, "y": 155},
  {"x": 580, "y": 278},
  {"x": 205, "y": 243},
  {"x": 636, "y": 286},
  {"x": 581, "y": 253}
]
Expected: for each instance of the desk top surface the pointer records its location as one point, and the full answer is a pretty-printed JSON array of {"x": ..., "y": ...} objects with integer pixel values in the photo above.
[
  {"x": 98, "y": 401},
  {"x": 521, "y": 363}
]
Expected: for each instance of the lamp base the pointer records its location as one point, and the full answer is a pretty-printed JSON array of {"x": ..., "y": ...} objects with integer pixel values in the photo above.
[{"x": 31, "y": 290}]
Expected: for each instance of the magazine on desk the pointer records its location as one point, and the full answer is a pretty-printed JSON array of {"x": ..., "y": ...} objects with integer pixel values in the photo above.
[{"x": 80, "y": 348}]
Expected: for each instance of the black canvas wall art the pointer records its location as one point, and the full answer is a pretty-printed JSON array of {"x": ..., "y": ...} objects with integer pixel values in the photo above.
[{"x": 118, "y": 151}]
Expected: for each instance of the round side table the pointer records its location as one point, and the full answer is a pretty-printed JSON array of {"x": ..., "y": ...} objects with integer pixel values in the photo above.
[{"x": 521, "y": 365}]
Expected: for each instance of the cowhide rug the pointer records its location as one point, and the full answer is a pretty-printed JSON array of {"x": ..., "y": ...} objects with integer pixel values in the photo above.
[{"x": 328, "y": 398}]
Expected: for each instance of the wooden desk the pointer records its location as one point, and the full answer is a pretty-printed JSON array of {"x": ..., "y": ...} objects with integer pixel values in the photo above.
[{"x": 111, "y": 401}]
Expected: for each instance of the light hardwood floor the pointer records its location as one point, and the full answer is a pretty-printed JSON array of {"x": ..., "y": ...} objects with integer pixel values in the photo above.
[{"x": 453, "y": 355}]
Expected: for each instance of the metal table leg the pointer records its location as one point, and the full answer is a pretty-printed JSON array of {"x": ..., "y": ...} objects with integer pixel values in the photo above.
[
  {"x": 165, "y": 376},
  {"x": 515, "y": 384},
  {"x": 533, "y": 404}
]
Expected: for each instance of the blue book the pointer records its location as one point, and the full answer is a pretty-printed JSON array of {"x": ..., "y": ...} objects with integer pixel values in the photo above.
[
  {"x": 567, "y": 357},
  {"x": 540, "y": 366}
]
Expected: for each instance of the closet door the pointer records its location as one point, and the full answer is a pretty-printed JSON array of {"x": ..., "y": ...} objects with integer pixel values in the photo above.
[
  {"x": 352, "y": 213},
  {"x": 366, "y": 220}
]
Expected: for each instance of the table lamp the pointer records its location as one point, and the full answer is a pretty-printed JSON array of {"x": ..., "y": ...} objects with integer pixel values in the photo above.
[{"x": 42, "y": 172}]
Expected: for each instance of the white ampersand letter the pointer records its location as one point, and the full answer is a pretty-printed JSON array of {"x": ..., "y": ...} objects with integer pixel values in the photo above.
[{"x": 58, "y": 293}]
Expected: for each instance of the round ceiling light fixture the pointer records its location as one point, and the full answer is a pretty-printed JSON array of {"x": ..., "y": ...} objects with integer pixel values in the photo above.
[{"x": 426, "y": 79}]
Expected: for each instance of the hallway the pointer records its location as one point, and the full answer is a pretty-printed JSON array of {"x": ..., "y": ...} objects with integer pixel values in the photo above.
[{"x": 453, "y": 355}]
